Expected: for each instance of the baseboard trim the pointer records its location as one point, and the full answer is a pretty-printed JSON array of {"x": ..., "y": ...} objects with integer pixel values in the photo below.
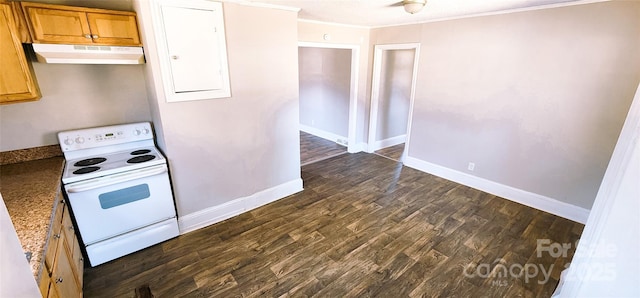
[
  {"x": 338, "y": 139},
  {"x": 359, "y": 147},
  {"x": 209, "y": 216},
  {"x": 540, "y": 202},
  {"x": 388, "y": 142}
]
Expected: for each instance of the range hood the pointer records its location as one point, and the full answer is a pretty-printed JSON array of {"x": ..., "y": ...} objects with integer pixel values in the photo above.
[{"x": 87, "y": 54}]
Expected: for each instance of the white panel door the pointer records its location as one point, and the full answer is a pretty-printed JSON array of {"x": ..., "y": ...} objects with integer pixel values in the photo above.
[{"x": 193, "y": 44}]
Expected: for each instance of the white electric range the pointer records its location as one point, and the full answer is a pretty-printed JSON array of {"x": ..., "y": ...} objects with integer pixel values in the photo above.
[{"x": 117, "y": 185}]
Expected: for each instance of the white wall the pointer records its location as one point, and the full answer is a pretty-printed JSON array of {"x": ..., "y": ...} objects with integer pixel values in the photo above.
[
  {"x": 16, "y": 279},
  {"x": 395, "y": 93},
  {"x": 536, "y": 99},
  {"x": 606, "y": 262},
  {"x": 325, "y": 81},
  {"x": 74, "y": 97},
  {"x": 222, "y": 150}
]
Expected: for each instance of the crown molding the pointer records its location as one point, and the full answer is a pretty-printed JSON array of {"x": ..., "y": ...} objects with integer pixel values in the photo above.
[
  {"x": 333, "y": 24},
  {"x": 507, "y": 11},
  {"x": 263, "y": 5}
]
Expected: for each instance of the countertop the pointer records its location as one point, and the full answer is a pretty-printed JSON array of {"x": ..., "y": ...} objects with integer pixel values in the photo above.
[{"x": 31, "y": 192}]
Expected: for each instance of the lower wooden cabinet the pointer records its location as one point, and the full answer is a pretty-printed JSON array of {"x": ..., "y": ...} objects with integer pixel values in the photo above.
[
  {"x": 45, "y": 283},
  {"x": 54, "y": 238},
  {"x": 63, "y": 259},
  {"x": 73, "y": 248},
  {"x": 63, "y": 278}
]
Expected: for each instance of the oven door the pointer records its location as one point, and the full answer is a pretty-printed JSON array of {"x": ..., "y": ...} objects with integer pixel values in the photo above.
[{"x": 108, "y": 206}]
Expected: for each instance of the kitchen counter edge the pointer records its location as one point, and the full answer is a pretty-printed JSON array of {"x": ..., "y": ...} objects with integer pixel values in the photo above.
[{"x": 32, "y": 193}]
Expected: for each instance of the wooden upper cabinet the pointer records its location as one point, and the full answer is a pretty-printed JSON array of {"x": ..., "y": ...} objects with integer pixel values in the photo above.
[
  {"x": 114, "y": 29},
  {"x": 17, "y": 82},
  {"x": 58, "y": 26},
  {"x": 61, "y": 24}
]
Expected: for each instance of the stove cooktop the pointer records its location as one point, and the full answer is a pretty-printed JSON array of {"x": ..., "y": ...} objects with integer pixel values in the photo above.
[{"x": 90, "y": 167}]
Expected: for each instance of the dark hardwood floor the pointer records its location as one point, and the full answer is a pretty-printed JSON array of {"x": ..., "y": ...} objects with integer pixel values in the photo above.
[
  {"x": 313, "y": 149},
  {"x": 365, "y": 226},
  {"x": 393, "y": 152}
]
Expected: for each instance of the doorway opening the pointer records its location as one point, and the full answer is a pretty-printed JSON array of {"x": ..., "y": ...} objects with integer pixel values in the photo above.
[
  {"x": 392, "y": 96},
  {"x": 328, "y": 76}
]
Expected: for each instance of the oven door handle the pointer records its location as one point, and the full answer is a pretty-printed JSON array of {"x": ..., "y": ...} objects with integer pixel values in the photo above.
[{"x": 117, "y": 178}]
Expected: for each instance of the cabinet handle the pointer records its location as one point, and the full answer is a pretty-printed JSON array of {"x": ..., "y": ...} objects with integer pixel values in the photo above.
[
  {"x": 56, "y": 236},
  {"x": 59, "y": 280},
  {"x": 95, "y": 36},
  {"x": 87, "y": 36},
  {"x": 175, "y": 57}
]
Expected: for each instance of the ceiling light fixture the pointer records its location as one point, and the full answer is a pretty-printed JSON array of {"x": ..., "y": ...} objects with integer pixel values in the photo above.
[{"x": 413, "y": 6}]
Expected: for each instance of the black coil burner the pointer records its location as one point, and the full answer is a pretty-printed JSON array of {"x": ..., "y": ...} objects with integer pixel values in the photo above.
[
  {"x": 86, "y": 170},
  {"x": 141, "y": 158},
  {"x": 89, "y": 161},
  {"x": 141, "y": 151}
]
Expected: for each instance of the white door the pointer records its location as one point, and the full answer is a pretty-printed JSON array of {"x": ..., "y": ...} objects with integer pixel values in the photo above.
[
  {"x": 192, "y": 48},
  {"x": 192, "y": 41}
]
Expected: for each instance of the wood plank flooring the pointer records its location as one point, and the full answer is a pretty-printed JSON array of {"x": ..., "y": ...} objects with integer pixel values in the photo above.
[
  {"x": 364, "y": 226},
  {"x": 313, "y": 149},
  {"x": 393, "y": 152}
]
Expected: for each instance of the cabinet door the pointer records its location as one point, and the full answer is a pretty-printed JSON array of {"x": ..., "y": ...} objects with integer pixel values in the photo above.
[
  {"x": 57, "y": 26},
  {"x": 54, "y": 238},
  {"x": 114, "y": 29},
  {"x": 63, "y": 278},
  {"x": 16, "y": 79},
  {"x": 52, "y": 292},
  {"x": 77, "y": 262},
  {"x": 45, "y": 283}
]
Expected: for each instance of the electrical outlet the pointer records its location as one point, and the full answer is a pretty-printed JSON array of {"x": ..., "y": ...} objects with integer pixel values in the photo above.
[{"x": 471, "y": 166}]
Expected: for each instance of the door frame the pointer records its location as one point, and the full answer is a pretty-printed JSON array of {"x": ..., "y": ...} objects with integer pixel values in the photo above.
[
  {"x": 353, "y": 92},
  {"x": 594, "y": 236},
  {"x": 375, "y": 91}
]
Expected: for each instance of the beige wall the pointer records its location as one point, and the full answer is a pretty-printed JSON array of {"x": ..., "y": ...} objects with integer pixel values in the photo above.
[
  {"x": 224, "y": 149},
  {"x": 536, "y": 99},
  {"x": 314, "y": 32},
  {"x": 325, "y": 84},
  {"x": 396, "y": 34},
  {"x": 73, "y": 97}
]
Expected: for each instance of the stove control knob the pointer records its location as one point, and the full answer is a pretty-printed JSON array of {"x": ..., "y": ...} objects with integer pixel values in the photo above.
[
  {"x": 145, "y": 131},
  {"x": 68, "y": 141},
  {"x": 137, "y": 132},
  {"x": 79, "y": 140}
]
